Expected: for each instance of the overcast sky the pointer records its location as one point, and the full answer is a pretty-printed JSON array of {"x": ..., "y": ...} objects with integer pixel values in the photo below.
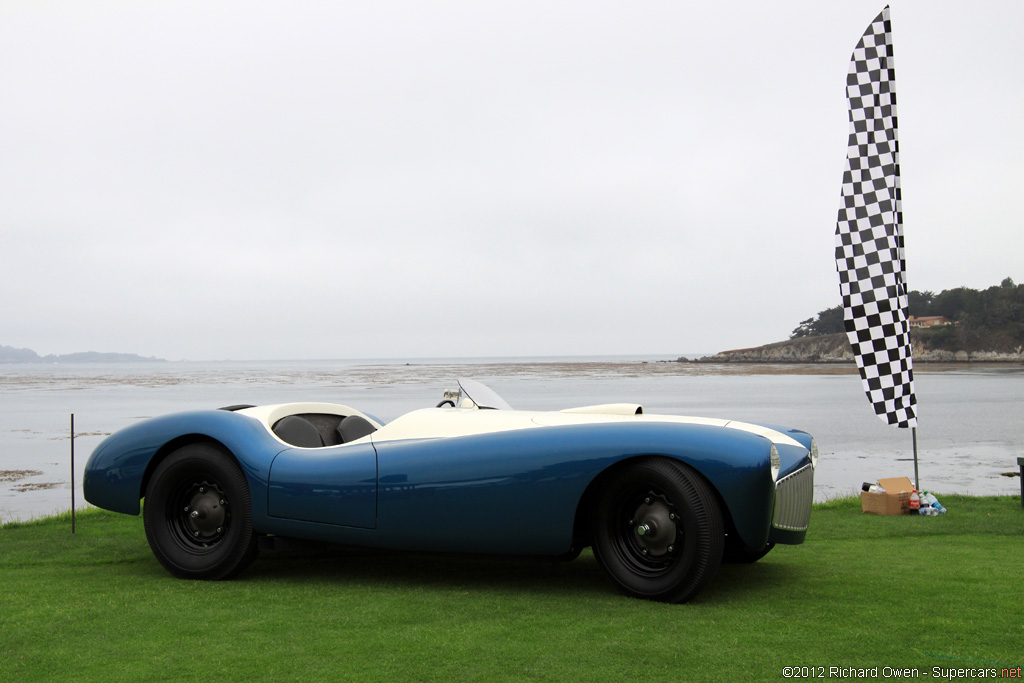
[{"x": 291, "y": 180}]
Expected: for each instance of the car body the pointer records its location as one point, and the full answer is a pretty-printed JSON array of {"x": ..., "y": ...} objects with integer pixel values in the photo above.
[{"x": 660, "y": 498}]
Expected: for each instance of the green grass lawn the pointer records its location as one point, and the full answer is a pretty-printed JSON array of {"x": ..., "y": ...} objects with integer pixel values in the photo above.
[{"x": 863, "y": 591}]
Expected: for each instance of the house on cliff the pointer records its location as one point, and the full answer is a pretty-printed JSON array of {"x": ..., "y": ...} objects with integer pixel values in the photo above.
[{"x": 929, "y": 321}]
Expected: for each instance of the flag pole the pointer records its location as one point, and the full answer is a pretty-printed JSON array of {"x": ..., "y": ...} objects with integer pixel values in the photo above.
[{"x": 917, "y": 480}]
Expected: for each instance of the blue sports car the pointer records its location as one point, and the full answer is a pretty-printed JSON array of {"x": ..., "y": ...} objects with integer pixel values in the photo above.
[{"x": 661, "y": 499}]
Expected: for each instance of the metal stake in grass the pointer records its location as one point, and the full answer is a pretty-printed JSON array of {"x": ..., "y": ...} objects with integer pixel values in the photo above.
[{"x": 72, "y": 473}]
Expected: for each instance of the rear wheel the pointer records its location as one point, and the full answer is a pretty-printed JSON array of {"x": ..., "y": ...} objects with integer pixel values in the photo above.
[
  {"x": 198, "y": 516},
  {"x": 658, "y": 531}
]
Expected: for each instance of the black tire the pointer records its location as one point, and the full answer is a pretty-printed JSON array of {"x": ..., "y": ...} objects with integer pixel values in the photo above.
[
  {"x": 198, "y": 516},
  {"x": 658, "y": 530}
]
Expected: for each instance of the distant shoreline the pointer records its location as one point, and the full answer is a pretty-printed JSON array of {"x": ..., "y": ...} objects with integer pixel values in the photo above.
[
  {"x": 12, "y": 356},
  {"x": 826, "y": 350},
  {"x": 835, "y": 349}
]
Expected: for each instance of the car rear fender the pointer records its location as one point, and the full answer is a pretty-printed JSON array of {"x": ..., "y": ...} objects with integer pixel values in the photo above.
[{"x": 118, "y": 470}]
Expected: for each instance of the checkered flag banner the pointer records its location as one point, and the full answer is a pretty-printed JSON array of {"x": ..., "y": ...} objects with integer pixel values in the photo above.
[{"x": 869, "y": 232}]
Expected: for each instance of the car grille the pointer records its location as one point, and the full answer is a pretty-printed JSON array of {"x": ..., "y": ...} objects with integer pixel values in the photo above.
[{"x": 794, "y": 494}]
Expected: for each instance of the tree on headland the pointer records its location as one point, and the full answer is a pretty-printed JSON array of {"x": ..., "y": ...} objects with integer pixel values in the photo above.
[
  {"x": 989, "y": 317},
  {"x": 997, "y": 306},
  {"x": 920, "y": 301},
  {"x": 828, "y": 321}
]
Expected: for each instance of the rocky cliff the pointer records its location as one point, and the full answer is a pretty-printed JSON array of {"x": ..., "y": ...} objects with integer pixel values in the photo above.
[
  {"x": 835, "y": 348},
  {"x": 830, "y": 348}
]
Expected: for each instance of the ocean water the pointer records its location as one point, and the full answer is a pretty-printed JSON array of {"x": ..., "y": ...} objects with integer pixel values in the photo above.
[{"x": 970, "y": 435}]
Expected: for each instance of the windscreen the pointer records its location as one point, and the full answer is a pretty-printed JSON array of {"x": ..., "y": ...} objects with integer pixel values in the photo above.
[{"x": 482, "y": 395}]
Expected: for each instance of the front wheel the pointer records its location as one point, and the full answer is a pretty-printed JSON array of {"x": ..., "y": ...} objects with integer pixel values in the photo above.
[
  {"x": 198, "y": 516},
  {"x": 658, "y": 531}
]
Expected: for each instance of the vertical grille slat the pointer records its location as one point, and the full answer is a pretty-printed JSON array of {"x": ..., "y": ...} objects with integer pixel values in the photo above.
[{"x": 794, "y": 494}]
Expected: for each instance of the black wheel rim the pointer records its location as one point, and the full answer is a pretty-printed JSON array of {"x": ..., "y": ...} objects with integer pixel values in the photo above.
[
  {"x": 647, "y": 534},
  {"x": 198, "y": 515}
]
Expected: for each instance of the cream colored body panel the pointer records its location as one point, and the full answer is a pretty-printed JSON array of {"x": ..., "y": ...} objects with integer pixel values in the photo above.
[{"x": 448, "y": 422}]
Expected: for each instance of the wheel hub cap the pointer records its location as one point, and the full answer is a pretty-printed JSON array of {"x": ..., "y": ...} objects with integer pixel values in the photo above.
[
  {"x": 655, "y": 527},
  {"x": 206, "y": 513}
]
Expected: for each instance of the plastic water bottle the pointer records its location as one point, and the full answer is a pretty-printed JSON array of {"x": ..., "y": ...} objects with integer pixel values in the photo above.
[{"x": 934, "y": 506}]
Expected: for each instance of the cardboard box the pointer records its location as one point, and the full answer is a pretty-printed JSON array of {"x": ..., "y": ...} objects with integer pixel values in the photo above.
[{"x": 895, "y": 500}]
